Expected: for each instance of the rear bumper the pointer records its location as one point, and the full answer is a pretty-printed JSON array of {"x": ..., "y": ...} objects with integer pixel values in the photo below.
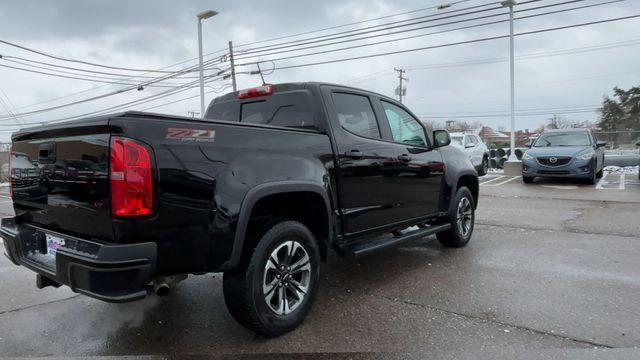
[{"x": 113, "y": 273}]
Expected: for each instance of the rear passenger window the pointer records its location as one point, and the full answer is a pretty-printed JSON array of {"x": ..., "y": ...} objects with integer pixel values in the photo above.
[{"x": 355, "y": 114}]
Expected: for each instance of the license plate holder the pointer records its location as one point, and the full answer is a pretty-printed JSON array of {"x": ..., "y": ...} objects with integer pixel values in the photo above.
[{"x": 53, "y": 243}]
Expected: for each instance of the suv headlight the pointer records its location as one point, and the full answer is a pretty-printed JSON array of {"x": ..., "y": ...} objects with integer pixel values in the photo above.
[
  {"x": 587, "y": 156},
  {"x": 526, "y": 156}
]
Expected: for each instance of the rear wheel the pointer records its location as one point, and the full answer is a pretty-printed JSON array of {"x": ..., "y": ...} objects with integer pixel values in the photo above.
[
  {"x": 462, "y": 216},
  {"x": 272, "y": 290},
  {"x": 527, "y": 179}
]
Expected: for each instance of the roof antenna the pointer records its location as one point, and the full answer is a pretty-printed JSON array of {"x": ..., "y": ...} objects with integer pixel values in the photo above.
[{"x": 259, "y": 72}]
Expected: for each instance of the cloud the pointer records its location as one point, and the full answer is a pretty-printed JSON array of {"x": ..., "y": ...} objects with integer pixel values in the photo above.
[{"x": 153, "y": 34}]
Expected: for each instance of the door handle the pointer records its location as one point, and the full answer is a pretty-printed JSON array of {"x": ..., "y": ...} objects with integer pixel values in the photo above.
[
  {"x": 355, "y": 154},
  {"x": 404, "y": 157}
]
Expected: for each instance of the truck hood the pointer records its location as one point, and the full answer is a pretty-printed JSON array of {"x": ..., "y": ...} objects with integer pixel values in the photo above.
[{"x": 571, "y": 151}]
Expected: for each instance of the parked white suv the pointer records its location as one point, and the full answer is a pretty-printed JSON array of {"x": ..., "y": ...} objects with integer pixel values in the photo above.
[{"x": 474, "y": 147}]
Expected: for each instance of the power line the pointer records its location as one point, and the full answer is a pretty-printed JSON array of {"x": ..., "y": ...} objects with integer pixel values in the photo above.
[
  {"x": 101, "y": 86},
  {"x": 350, "y": 35},
  {"x": 537, "y": 55},
  {"x": 296, "y": 44},
  {"x": 188, "y": 98},
  {"x": 436, "y": 32},
  {"x": 18, "y": 59},
  {"x": 455, "y": 43},
  {"x": 90, "y": 79},
  {"x": 371, "y": 29},
  {"x": 115, "y": 108},
  {"x": 6, "y": 105},
  {"x": 350, "y": 24},
  {"x": 61, "y": 58},
  {"x": 143, "y": 84}
]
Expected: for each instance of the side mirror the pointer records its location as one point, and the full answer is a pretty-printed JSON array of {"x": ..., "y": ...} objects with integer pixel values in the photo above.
[
  {"x": 441, "y": 138},
  {"x": 600, "y": 144}
]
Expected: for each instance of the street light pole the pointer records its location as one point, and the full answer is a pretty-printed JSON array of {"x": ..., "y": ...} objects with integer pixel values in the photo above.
[
  {"x": 510, "y": 4},
  {"x": 202, "y": 16}
]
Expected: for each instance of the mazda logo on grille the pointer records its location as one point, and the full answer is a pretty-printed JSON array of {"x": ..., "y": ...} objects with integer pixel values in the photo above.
[{"x": 553, "y": 160}]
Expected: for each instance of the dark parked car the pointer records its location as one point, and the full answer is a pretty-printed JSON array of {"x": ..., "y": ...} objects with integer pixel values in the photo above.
[
  {"x": 570, "y": 153},
  {"x": 261, "y": 189}
]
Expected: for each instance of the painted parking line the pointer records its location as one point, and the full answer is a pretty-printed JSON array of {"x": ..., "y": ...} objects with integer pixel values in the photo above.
[
  {"x": 612, "y": 181},
  {"x": 603, "y": 179},
  {"x": 492, "y": 180},
  {"x": 506, "y": 181}
]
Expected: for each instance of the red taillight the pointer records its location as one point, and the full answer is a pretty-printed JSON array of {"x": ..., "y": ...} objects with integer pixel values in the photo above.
[
  {"x": 131, "y": 180},
  {"x": 10, "y": 172},
  {"x": 255, "y": 92}
]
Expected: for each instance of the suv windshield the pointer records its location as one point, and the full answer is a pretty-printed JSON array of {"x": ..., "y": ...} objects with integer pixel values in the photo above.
[{"x": 563, "y": 139}]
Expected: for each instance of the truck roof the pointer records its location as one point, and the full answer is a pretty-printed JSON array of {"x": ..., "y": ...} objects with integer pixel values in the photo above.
[{"x": 295, "y": 86}]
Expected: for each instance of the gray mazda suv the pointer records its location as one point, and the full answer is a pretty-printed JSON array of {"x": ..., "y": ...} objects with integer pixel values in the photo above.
[{"x": 570, "y": 153}]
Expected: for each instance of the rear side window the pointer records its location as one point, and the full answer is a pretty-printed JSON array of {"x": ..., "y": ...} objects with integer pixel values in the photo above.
[
  {"x": 355, "y": 114},
  {"x": 288, "y": 110},
  {"x": 227, "y": 111}
]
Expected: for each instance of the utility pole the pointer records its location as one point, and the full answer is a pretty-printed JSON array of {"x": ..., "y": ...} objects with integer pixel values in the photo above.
[
  {"x": 400, "y": 90},
  {"x": 512, "y": 166},
  {"x": 233, "y": 68},
  {"x": 510, "y": 4}
]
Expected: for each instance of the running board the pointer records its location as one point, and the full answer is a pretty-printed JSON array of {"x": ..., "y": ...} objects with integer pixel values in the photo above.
[{"x": 358, "y": 249}]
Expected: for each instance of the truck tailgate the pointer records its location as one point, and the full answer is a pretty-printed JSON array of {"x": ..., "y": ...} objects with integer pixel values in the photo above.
[{"x": 60, "y": 179}]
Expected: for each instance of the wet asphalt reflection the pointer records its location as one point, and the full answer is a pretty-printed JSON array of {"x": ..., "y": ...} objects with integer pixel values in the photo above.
[{"x": 556, "y": 279}]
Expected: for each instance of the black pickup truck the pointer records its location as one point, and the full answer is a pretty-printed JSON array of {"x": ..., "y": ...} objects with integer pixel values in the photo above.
[{"x": 262, "y": 189}]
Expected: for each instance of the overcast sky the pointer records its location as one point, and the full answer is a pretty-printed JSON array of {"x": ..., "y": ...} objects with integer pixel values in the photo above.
[{"x": 156, "y": 34}]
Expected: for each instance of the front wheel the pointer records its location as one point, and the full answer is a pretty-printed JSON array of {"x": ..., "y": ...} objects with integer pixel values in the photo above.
[
  {"x": 527, "y": 179},
  {"x": 272, "y": 290},
  {"x": 593, "y": 178},
  {"x": 462, "y": 216},
  {"x": 484, "y": 167}
]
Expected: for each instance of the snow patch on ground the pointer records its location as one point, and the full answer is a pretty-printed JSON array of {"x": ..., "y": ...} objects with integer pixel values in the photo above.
[
  {"x": 621, "y": 170},
  {"x": 495, "y": 171}
]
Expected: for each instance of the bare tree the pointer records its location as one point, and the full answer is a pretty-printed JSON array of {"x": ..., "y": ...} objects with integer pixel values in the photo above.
[{"x": 431, "y": 125}]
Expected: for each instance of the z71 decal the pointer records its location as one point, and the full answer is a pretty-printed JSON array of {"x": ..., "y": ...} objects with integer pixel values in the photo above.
[{"x": 190, "y": 134}]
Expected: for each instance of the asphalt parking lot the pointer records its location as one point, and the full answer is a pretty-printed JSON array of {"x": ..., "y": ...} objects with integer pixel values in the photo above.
[{"x": 551, "y": 272}]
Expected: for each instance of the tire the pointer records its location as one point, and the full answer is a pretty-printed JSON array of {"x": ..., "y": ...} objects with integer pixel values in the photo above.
[
  {"x": 244, "y": 287},
  {"x": 527, "y": 179},
  {"x": 462, "y": 204},
  {"x": 593, "y": 178},
  {"x": 484, "y": 167},
  {"x": 600, "y": 173}
]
